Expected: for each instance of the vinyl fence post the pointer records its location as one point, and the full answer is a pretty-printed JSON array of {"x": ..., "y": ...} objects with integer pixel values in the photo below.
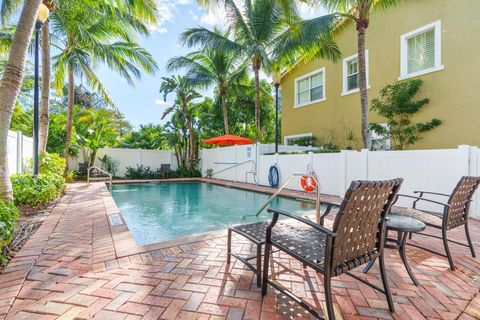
[
  {"x": 464, "y": 151},
  {"x": 365, "y": 173},
  {"x": 19, "y": 153},
  {"x": 343, "y": 173}
]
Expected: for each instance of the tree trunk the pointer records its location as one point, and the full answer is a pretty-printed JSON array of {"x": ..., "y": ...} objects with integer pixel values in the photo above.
[
  {"x": 45, "y": 99},
  {"x": 70, "y": 104},
  {"x": 256, "y": 70},
  {"x": 223, "y": 97},
  {"x": 93, "y": 156},
  {"x": 362, "y": 79},
  {"x": 10, "y": 86},
  {"x": 191, "y": 147}
]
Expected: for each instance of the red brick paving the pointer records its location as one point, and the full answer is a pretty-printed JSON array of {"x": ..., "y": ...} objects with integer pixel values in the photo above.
[{"x": 78, "y": 267}]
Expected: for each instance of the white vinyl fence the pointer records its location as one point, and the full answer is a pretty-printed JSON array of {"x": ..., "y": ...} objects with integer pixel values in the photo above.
[
  {"x": 19, "y": 152},
  {"x": 432, "y": 170},
  {"x": 124, "y": 158}
]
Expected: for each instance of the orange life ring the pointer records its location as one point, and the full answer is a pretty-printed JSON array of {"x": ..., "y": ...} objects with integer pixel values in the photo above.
[{"x": 308, "y": 183}]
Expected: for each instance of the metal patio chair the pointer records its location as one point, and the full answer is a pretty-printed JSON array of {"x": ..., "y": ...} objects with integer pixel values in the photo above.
[
  {"x": 454, "y": 215},
  {"x": 356, "y": 239},
  {"x": 164, "y": 171}
]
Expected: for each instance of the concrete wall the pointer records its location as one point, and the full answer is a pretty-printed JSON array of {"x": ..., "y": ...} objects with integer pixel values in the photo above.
[{"x": 453, "y": 91}]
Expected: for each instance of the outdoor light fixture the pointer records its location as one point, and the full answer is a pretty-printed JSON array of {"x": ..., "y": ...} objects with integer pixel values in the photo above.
[
  {"x": 42, "y": 17},
  {"x": 276, "y": 83}
]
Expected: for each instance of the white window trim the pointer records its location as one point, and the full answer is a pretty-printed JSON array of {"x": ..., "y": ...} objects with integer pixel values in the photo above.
[
  {"x": 295, "y": 136},
  {"x": 297, "y": 105},
  {"x": 344, "y": 78},
  {"x": 437, "y": 26}
]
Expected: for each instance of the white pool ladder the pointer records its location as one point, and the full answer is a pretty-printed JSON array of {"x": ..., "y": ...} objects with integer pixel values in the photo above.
[{"x": 99, "y": 175}]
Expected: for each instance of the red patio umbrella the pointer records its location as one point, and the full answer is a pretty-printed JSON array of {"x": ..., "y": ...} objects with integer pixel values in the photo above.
[{"x": 228, "y": 140}]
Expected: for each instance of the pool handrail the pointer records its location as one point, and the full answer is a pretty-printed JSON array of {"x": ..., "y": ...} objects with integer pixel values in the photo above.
[
  {"x": 297, "y": 174},
  {"x": 106, "y": 173},
  {"x": 237, "y": 164}
]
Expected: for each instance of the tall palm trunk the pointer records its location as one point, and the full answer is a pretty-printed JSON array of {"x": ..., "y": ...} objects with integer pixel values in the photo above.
[
  {"x": 256, "y": 71},
  {"x": 70, "y": 104},
  {"x": 362, "y": 75},
  {"x": 191, "y": 145},
  {"x": 45, "y": 100},
  {"x": 223, "y": 98},
  {"x": 10, "y": 86}
]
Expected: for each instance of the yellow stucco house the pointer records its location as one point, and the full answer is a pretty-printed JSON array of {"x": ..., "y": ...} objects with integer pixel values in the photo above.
[{"x": 437, "y": 41}]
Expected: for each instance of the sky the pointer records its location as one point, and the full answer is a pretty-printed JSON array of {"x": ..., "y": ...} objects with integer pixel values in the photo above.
[{"x": 143, "y": 103}]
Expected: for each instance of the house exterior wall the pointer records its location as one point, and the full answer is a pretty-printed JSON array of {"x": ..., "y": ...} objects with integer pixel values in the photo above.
[{"x": 454, "y": 92}]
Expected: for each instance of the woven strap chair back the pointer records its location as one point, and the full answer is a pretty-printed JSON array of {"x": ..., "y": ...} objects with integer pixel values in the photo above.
[
  {"x": 359, "y": 221},
  {"x": 459, "y": 201}
]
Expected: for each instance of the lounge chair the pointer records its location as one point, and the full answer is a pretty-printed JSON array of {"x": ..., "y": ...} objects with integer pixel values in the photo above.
[
  {"x": 454, "y": 214},
  {"x": 357, "y": 238},
  {"x": 164, "y": 171}
]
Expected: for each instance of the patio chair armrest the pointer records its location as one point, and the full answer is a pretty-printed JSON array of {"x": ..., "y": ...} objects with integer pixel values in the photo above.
[
  {"x": 328, "y": 210},
  {"x": 277, "y": 213},
  {"x": 423, "y": 199},
  {"x": 428, "y": 192}
]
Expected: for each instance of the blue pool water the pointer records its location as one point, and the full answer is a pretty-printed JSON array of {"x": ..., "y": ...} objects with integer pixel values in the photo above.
[{"x": 163, "y": 211}]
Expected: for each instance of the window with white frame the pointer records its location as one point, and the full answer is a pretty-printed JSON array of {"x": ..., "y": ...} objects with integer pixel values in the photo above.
[
  {"x": 420, "y": 51},
  {"x": 381, "y": 142},
  {"x": 290, "y": 140},
  {"x": 310, "y": 88},
  {"x": 351, "y": 73}
]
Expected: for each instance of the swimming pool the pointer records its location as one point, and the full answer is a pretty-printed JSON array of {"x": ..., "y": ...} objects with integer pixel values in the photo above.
[{"x": 164, "y": 211}]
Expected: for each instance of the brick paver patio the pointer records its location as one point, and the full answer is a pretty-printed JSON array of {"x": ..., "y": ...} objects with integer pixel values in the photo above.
[{"x": 77, "y": 266}]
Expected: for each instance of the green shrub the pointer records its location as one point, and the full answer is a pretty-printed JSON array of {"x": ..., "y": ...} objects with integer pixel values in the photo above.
[
  {"x": 185, "y": 173},
  {"x": 42, "y": 190},
  {"x": 303, "y": 141},
  {"x": 52, "y": 163},
  {"x": 140, "y": 172},
  {"x": 8, "y": 218}
]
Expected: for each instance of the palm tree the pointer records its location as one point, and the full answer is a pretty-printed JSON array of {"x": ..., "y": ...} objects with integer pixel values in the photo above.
[
  {"x": 103, "y": 36},
  {"x": 359, "y": 11},
  {"x": 45, "y": 90},
  {"x": 185, "y": 94},
  {"x": 254, "y": 31},
  {"x": 212, "y": 66},
  {"x": 261, "y": 31},
  {"x": 10, "y": 86}
]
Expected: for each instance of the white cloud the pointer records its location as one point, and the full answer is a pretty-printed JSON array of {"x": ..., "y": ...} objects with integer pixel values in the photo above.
[
  {"x": 166, "y": 13},
  {"x": 214, "y": 17}
]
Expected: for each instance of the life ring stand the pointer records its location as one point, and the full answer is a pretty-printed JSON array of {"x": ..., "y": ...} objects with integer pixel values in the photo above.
[{"x": 308, "y": 183}]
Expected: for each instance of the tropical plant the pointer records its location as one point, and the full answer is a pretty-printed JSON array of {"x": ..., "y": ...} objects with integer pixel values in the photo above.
[
  {"x": 8, "y": 219},
  {"x": 52, "y": 164},
  {"x": 104, "y": 36},
  {"x": 241, "y": 108},
  {"x": 213, "y": 66},
  {"x": 185, "y": 93},
  {"x": 35, "y": 191},
  {"x": 268, "y": 34},
  {"x": 140, "y": 172},
  {"x": 108, "y": 164},
  {"x": 149, "y": 136},
  {"x": 396, "y": 104},
  {"x": 95, "y": 129},
  {"x": 359, "y": 12},
  {"x": 10, "y": 85},
  {"x": 45, "y": 90}
]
